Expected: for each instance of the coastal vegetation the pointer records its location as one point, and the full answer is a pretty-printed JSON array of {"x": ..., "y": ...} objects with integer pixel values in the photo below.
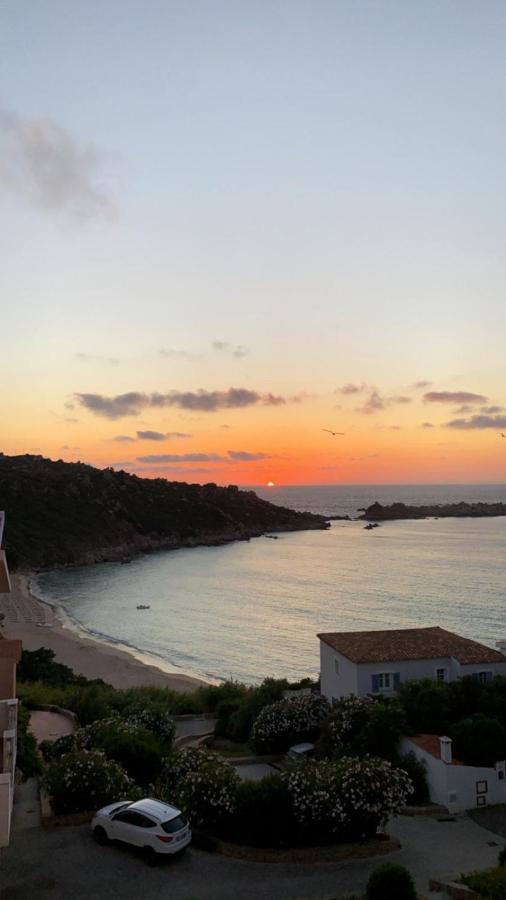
[
  {"x": 72, "y": 513},
  {"x": 376, "y": 512}
]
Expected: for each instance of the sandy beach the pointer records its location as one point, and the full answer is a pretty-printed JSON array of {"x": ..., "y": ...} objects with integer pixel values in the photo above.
[{"x": 37, "y": 625}]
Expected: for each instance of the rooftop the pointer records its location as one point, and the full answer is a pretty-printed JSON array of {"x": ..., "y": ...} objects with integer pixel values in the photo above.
[{"x": 401, "y": 644}]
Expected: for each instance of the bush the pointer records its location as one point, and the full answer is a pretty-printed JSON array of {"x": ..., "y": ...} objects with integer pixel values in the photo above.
[
  {"x": 39, "y": 665},
  {"x": 288, "y": 721},
  {"x": 427, "y": 706},
  {"x": 27, "y": 758},
  {"x": 479, "y": 741},
  {"x": 390, "y": 881},
  {"x": 86, "y": 780},
  {"x": 501, "y": 859},
  {"x": 263, "y": 815},
  {"x": 417, "y": 771},
  {"x": 202, "y": 784},
  {"x": 156, "y": 720},
  {"x": 490, "y": 884}
]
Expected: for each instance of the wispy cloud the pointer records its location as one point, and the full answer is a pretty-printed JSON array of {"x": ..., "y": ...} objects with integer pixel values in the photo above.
[
  {"x": 426, "y": 425},
  {"x": 454, "y": 397},
  {"x": 152, "y": 436},
  {"x": 91, "y": 357},
  {"x": 477, "y": 422},
  {"x": 237, "y": 350},
  {"x": 133, "y": 402},
  {"x": 181, "y": 458},
  {"x": 44, "y": 164},
  {"x": 171, "y": 353},
  {"x": 490, "y": 410},
  {"x": 350, "y": 388},
  {"x": 421, "y": 385},
  {"x": 246, "y": 456},
  {"x": 376, "y": 403},
  {"x": 122, "y": 438}
]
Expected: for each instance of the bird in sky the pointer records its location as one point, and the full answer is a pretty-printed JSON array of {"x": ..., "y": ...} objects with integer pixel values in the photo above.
[
  {"x": 333, "y": 433},
  {"x": 503, "y": 435}
]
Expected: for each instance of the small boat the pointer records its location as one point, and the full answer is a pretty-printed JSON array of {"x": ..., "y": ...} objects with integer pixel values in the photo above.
[{"x": 142, "y": 606}]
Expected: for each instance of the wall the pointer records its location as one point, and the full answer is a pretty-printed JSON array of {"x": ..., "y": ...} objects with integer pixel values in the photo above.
[
  {"x": 443, "y": 779},
  {"x": 409, "y": 670},
  {"x": 333, "y": 685}
]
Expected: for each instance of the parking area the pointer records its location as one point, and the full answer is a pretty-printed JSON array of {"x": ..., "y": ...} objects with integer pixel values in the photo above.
[{"x": 61, "y": 863}]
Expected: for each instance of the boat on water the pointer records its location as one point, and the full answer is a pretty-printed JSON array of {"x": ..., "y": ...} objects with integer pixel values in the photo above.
[{"x": 142, "y": 606}]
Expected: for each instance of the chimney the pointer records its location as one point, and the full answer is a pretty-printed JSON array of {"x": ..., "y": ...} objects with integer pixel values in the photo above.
[{"x": 445, "y": 744}]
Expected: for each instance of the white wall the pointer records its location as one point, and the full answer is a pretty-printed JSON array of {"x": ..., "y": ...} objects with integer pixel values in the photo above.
[
  {"x": 445, "y": 780},
  {"x": 332, "y": 684},
  {"x": 409, "y": 670}
]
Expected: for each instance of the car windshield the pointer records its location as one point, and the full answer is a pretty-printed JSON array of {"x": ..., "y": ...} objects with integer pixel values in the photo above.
[{"x": 175, "y": 824}]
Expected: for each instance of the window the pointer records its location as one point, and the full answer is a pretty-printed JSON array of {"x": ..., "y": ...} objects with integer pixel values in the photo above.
[
  {"x": 440, "y": 674},
  {"x": 336, "y": 666},
  {"x": 385, "y": 681},
  {"x": 175, "y": 824},
  {"x": 481, "y": 787},
  {"x": 483, "y": 677}
]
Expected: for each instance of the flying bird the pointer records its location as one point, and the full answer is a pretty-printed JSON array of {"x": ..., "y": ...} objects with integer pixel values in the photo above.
[
  {"x": 333, "y": 433},
  {"x": 503, "y": 435}
]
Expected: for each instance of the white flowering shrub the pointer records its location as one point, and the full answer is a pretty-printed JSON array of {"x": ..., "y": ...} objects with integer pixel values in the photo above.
[
  {"x": 86, "y": 780},
  {"x": 372, "y": 790},
  {"x": 349, "y": 716},
  {"x": 347, "y": 799},
  {"x": 156, "y": 720},
  {"x": 202, "y": 784},
  {"x": 287, "y": 721}
]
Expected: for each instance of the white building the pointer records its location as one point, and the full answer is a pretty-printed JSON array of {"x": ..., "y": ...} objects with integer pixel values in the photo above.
[
  {"x": 10, "y": 654},
  {"x": 452, "y": 784},
  {"x": 377, "y": 662}
]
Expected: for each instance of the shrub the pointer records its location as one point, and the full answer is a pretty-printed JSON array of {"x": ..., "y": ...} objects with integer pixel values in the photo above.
[
  {"x": 390, "y": 881},
  {"x": 479, "y": 741},
  {"x": 288, "y": 721},
  {"x": 86, "y": 780},
  {"x": 156, "y": 720},
  {"x": 348, "y": 719},
  {"x": 417, "y": 771},
  {"x": 27, "y": 758},
  {"x": 39, "y": 665},
  {"x": 427, "y": 707},
  {"x": 263, "y": 815},
  {"x": 501, "y": 859},
  {"x": 489, "y": 884},
  {"x": 201, "y": 783}
]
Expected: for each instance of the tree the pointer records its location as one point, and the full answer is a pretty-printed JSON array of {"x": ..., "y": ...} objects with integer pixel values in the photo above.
[{"x": 479, "y": 741}]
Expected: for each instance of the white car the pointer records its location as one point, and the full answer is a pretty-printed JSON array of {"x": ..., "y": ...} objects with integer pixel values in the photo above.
[
  {"x": 155, "y": 827},
  {"x": 301, "y": 751}
]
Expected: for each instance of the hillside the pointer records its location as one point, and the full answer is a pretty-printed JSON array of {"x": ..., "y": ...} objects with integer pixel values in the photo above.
[
  {"x": 60, "y": 513},
  {"x": 379, "y": 513}
]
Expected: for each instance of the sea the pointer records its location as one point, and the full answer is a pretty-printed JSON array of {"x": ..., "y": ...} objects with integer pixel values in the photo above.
[{"x": 251, "y": 609}]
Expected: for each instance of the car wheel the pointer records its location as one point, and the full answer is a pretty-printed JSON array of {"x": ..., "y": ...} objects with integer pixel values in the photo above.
[
  {"x": 150, "y": 856},
  {"x": 100, "y": 835}
]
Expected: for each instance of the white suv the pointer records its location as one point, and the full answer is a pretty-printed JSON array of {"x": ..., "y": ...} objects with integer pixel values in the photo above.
[{"x": 155, "y": 827}]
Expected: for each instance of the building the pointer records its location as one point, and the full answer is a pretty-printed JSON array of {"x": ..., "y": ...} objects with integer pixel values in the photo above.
[
  {"x": 10, "y": 654},
  {"x": 377, "y": 662},
  {"x": 452, "y": 784}
]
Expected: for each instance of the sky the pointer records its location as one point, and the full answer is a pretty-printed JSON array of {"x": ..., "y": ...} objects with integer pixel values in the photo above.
[{"x": 228, "y": 226}]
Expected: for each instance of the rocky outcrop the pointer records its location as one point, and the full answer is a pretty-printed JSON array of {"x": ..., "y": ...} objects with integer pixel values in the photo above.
[
  {"x": 378, "y": 513},
  {"x": 62, "y": 513}
]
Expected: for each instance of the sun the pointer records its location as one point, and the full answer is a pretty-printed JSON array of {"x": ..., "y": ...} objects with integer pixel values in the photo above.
[{"x": 270, "y": 484}]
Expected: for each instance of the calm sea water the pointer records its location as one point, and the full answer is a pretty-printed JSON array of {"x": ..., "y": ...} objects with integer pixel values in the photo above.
[{"x": 251, "y": 609}]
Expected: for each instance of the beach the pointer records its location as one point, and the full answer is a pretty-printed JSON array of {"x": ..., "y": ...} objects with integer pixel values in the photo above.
[{"x": 36, "y": 624}]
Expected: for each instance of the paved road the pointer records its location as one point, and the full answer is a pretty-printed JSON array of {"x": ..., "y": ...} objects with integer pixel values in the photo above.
[{"x": 64, "y": 863}]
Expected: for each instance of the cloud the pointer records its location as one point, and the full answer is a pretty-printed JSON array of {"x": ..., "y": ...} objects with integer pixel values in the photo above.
[
  {"x": 453, "y": 397},
  {"x": 426, "y": 425},
  {"x": 420, "y": 385},
  {"x": 181, "y": 458},
  {"x": 171, "y": 353},
  {"x": 477, "y": 422},
  {"x": 151, "y": 436},
  {"x": 43, "y": 163},
  {"x": 465, "y": 408},
  {"x": 245, "y": 456},
  {"x": 400, "y": 399},
  {"x": 490, "y": 410},
  {"x": 122, "y": 438},
  {"x": 90, "y": 357},
  {"x": 349, "y": 388},
  {"x": 237, "y": 350},
  {"x": 132, "y": 403},
  {"x": 373, "y": 404}
]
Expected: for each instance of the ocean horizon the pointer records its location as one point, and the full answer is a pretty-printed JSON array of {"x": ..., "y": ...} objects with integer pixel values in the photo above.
[{"x": 249, "y": 609}]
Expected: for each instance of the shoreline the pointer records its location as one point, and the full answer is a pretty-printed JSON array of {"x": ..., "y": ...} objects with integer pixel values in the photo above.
[{"x": 36, "y": 624}]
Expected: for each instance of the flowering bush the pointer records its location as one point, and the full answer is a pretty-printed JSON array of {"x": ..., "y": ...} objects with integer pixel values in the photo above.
[
  {"x": 203, "y": 784},
  {"x": 349, "y": 716},
  {"x": 287, "y": 721},
  {"x": 156, "y": 720},
  {"x": 83, "y": 780},
  {"x": 348, "y": 799}
]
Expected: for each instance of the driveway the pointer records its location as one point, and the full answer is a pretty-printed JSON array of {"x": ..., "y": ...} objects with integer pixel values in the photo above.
[{"x": 65, "y": 862}]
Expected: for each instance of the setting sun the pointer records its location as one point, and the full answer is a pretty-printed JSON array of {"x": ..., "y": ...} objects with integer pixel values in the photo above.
[{"x": 270, "y": 484}]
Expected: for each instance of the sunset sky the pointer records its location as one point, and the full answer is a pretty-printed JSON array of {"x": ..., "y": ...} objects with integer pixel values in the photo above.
[{"x": 227, "y": 226}]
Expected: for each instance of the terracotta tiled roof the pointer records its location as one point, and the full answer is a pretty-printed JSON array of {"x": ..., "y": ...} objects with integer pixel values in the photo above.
[
  {"x": 409, "y": 643},
  {"x": 431, "y": 744}
]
